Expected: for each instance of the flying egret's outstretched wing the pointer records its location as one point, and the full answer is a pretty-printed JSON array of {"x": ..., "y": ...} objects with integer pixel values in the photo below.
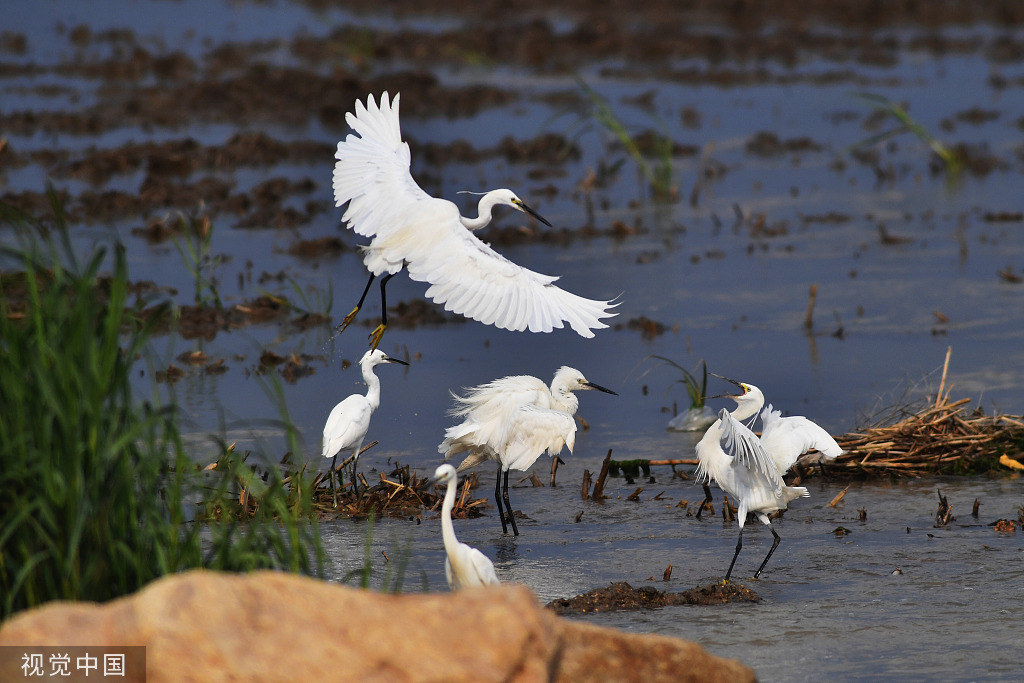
[
  {"x": 372, "y": 171},
  {"x": 787, "y": 438},
  {"x": 346, "y": 424},
  {"x": 473, "y": 280},
  {"x": 532, "y": 430},
  {"x": 743, "y": 445},
  {"x": 427, "y": 235}
]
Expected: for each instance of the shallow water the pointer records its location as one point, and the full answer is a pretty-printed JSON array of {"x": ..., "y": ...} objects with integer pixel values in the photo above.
[
  {"x": 831, "y": 605},
  {"x": 727, "y": 292}
]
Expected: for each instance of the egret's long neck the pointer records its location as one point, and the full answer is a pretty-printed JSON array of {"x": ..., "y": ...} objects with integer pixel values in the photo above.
[
  {"x": 372, "y": 387},
  {"x": 747, "y": 407},
  {"x": 447, "y": 530},
  {"x": 564, "y": 400},
  {"x": 483, "y": 211}
]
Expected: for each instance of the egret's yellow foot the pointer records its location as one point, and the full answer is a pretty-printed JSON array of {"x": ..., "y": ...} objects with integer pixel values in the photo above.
[
  {"x": 376, "y": 335},
  {"x": 348, "y": 320}
]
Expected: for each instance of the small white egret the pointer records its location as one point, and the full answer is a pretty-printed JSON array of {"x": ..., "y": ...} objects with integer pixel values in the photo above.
[
  {"x": 785, "y": 438},
  {"x": 349, "y": 421},
  {"x": 736, "y": 459},
  {"x": 435, "y": 243},
  {"x": 464, "y": 566},
  {"x": 512, "y": 421}
]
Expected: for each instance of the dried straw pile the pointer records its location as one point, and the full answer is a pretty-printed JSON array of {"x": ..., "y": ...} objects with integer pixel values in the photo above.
[{"x": 943, "y": 437}]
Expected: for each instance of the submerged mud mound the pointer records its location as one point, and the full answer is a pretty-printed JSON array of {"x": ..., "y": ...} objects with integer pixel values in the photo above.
[{"x": 622, "y": 596}]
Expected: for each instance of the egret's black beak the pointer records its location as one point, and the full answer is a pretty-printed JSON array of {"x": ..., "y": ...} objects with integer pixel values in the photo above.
[
  {"x": 742, "y": 389},
  {"x": 600, "y": 388},
  {"x": 395, "y": 360},
  {"x": 533, "y": 213}
]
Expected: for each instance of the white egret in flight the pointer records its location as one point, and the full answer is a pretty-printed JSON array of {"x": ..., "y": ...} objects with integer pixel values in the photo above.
[
  {"x": 436, "y": 244},
  {"x": 349, "y": 421},
  {"x": 512, "y": 421},
  {"x": 736, "y": 459},
  {"x": 464, "y": 565}
]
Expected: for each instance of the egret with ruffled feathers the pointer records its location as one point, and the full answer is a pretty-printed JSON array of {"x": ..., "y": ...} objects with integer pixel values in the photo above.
[{"x": 513, "y": 421}]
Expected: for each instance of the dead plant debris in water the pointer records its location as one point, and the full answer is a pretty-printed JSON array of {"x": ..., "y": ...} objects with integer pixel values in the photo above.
[{"x": 942, "y": 437}]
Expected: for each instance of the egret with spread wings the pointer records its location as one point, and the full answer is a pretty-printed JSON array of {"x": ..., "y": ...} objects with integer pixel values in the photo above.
[
  {"x": 435, "y": 243},
  {"x": 736, "y": 459}
]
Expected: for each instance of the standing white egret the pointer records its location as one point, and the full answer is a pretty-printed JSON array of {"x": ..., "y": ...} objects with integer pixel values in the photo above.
[
  {"x": 435, "y": 243},
  {"x": 512, "y": 421},
  {"x": 464, "y": 565},
  {"x": 736, "y": 459},
  {"x": 349, "y": 421}
]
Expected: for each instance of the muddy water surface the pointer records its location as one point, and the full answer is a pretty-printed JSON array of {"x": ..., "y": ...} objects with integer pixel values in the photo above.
[{"x": 137, "y": 111}]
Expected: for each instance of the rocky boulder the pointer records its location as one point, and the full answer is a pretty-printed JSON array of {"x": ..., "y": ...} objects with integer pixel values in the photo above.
[{"x": 269, "y": 626}]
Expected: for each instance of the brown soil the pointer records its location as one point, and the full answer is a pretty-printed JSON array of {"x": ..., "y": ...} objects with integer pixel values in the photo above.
[{"x": 622, "y": 596}]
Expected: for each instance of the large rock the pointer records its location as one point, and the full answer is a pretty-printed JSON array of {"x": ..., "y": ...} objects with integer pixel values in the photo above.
[{"x": 268, "y": 626}]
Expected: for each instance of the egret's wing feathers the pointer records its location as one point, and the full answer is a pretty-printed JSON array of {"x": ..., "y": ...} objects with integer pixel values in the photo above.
[
  {"x": 472, "y": 279},
  {"x": 485, "y": 409},
  {"x": 346, "y": 425},
  {"x": 467, "y": 567},
  {"x": 372, "y": 171},
  {"x": 787, "y": 438},
  {"x": 531, "y": 431},
  {"x": 742, "y": 444}
]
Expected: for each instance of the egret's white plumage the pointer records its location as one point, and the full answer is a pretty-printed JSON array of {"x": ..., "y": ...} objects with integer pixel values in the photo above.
[
  {"x": 464, "y": 566},
  {"x": 512, "y": 421},
  {"x": 736, "y": 459},
  {"x": 435, "y": 243},
  {"x": 350, "y": 420},
  {"x": 787, "y": 438}
]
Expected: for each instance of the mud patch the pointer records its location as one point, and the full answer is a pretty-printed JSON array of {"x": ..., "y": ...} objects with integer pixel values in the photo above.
[{"x": 622, "y": 596}]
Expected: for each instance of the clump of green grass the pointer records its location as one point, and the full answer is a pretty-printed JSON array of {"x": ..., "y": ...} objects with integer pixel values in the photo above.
[
  {"x": 97, "y": 487},
  {"x": 196, "y": 251},
  {"x": 698, "y": 415},
  {"x": 659, "y": 176},
  {"x": 950, "y": 160}
]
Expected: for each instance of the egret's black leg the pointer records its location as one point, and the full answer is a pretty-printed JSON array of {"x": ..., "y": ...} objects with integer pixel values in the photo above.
[
  {"x": 352, "y": 316},
  {"x": 775, "y": 544},
  {"x": 739, "y": 544},
  {"x": 334, "y": 488},
  {"x": 508, "y": 506},
  {"x": 705, "y": 502},
  {"x": 376, "y": 335},
  {"x": 497, "y": 501}
]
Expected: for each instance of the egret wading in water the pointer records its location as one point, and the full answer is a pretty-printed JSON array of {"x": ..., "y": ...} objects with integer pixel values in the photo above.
[
  {"x": 349, "y": 421},
  {"x": 512, "y": 421},
  {"x": 428, "y": 236},
  {"x": 464, "y": 566},
  {"x": 736, "y": 459}
]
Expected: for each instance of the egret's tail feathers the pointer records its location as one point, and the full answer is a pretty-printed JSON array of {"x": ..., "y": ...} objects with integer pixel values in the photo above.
[{"x": 790, "y": 493}]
